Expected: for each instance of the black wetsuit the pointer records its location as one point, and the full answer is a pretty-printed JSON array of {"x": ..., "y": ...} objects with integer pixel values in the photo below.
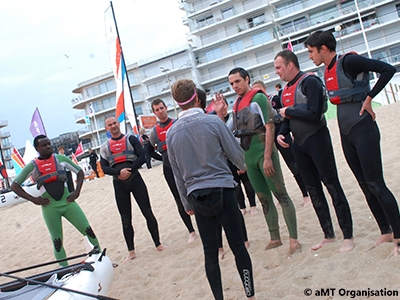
[
  {"x": 361, "y": 145},
  {"x": 135, "y": 185},
  {"x": 287, "y": 153},
  {"x": 315, "y": 157},
  {"x": 169, "y": 177},
  {"x": 93, "y": 162}
]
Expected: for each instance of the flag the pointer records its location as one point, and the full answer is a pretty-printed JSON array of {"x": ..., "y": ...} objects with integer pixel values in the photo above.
[
  {"x": 37, "y": 126},
  {"x": 91, "y": 110},
  {"x": 289, "y": 46},
  {"x": 87, "y": 120},
  {"x": 17, "y": 160},
  {"x": 79, "y": 150},
  {"x": 73, "y": 158},
  {"x": 124, "y": 102},
  {"x": 3, "y": 170}
]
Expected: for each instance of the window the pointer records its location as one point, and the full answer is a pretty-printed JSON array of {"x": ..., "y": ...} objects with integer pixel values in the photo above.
[
  {"x": 265, "y": 55},
  {"x": 135, "y": 94},
  {"x": 236, "y": 46},
  {"x": 213, "y": 54},
  {"x": 227, "y": 12},
  {"x": 241, "y": 62},
  {"x": 261, "y": 38},
  {"x": 209, "y": 37},
  {"x": 217, "y": 71},
  {"x": 257, "y": 20},
  {"x": 398, "y": 10},
  {"x": 204, "y": 21}
]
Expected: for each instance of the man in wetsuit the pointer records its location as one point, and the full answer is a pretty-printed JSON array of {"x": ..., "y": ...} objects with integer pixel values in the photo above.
[
  {"x": 121, "y": 156},
  {"x": 252, "y": 122},
  {"x": 347, "y": 81},
  {"x": 198, "y": 146},
  {"x": 93, "y": 161},
  {"x": 287, "y": 153},
  {"x": 158, "y": 139},
  {"x": 48, "y": 172},
  {"x": 304, "y": 104}
]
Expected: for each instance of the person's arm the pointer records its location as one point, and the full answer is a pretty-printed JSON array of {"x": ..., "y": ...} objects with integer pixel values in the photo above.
[
  {"x": 105, "y": 164},
  {"x": 355, "y": 64},
  {"x": 140, "y": 157},
  {"x": 68, "y": 164},
  {"x": 267, "y": 115},
  {"x": 152, "y": 144},
  {"x": 17, "y": 188}
]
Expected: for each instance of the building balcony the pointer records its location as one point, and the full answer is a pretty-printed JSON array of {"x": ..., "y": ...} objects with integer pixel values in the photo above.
[
  {"x": 3, "y": 123},
  {"x": 5, "y": 134}
]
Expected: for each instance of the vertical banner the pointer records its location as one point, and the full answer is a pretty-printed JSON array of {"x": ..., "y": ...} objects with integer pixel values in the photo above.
[
  {"x": 37, "y": 126},
  {"x": 79, "y": 150},
  {"x": 17, "y": 161},
  {"x": 124, "y": 101}
]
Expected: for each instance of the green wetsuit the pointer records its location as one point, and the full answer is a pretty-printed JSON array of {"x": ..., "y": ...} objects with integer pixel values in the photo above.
[
  {"x": 53, "y": 212},
  {"x": 262, "y": 184}
]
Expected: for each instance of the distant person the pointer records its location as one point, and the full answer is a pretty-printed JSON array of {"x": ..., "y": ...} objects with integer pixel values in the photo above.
[
  {"x": 121, "y": 156},
  {"x": 70, "y": 181},
  {"x": 287, "y": 153},
  {"x": 198, "y": 145},
  {"x": 347, "y": 81},
  {"x": 304, "y": 104},
  {"x": 144, "y": 140},
  {"x": 93, "y": 161},
  {"x": 252, "y": 122},
  {"x": 158, "y": 138},
  {"x": 48, "y": 172}
]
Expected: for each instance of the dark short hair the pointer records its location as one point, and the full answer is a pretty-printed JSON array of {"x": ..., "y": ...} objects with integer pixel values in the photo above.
[
  {"x": 278, "y": 85},
  {"x": 288, "y": 56},
  {"x": 156, "y": 102},
  {"x": 202, "y": 95},
  {"x": 321, "y": 38},
  {"x": 37, "y": 138},
  {"x": 242, "y": 72}
]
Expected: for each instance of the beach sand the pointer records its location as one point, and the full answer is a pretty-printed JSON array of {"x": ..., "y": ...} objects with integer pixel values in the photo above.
[{"x": 178, "y": 272}]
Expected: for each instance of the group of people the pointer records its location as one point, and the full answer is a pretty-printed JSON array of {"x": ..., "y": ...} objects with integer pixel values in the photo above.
[{"x": 202, "y": 159}]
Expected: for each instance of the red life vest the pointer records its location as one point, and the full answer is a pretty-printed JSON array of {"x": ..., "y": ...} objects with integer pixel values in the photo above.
[
  {"x": 161, "y": 135},
  {"x": 292, "y": 95},
  {"x": 120, "y": 151},
  {"x": 49, "y": 170},
  {"x": 342, "y": 89},
  {"x": 245, "y": 101}
]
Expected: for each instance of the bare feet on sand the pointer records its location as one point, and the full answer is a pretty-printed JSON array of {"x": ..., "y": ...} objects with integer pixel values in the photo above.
[
  {"x": 396, "y": 250},
  {"x": 221, "y": 253},
  {"x": 273, "y": 244},
  {"x": 322, "y": 243},
  {"x": 192, "y": 237},
  {"x": 131, "y": 255},
  {"x": 243, "y": 210},
  {"x": 384, "y": 238},
  {"x": 348, "y": 245},
  {"x": 253, "y": 210},
  {"x": 161, "y": 247},
  {"x": 294, "y": 248},
  {"x": 306, "y": 201}
]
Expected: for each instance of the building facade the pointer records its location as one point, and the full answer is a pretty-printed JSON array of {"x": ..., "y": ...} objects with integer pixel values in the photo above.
[
  {"x": 5, "y": 146},
  {"x": 231, "y": 33}
]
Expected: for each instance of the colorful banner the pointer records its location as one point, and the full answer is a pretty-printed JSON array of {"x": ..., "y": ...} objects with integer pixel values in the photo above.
[
  {"x": 3, "y": 171},
  {"x": 17, "y": 161},
  {"x": 79, "y": 150},
  {"x": 37, "y": 126},
  {"x": 124, "y": 102}
]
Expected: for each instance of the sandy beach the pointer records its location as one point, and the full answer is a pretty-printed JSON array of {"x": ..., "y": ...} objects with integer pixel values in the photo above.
[{"x": 178, "y": 272}]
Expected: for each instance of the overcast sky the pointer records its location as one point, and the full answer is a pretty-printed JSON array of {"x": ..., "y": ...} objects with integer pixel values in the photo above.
[{"x": 48, "y": 47}]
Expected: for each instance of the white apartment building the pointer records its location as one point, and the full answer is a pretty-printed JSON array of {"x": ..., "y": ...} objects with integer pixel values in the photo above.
[{"x": 244, "y": 33}]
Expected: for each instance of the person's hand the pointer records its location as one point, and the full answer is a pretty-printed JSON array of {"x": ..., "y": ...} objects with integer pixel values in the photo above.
[
  {"x": 268, "y": 167},
  {"x": 73, "y": 196},
  {"x": 41, "y": 201},
  {"x": 220, "y": 106},
  {"x": 367, "y": 106},
  {"x": 190, "y": 212},
  {"x": 124, "y": 174},
  {"x": 281, "y": 141},
  {"x": 240, "y": 172},
  {"x": 282, "y": 111}
]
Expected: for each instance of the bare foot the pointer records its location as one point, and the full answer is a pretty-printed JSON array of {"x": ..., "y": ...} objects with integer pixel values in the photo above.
[
  {"x": 192, "y": 237},
  {"x": 161, "y": 247},
  {"x": 247, "y": 244},
  {"x": 322, "y": 243},
  {"x": 221, "y": 253},
  {"x": 243, "y": 210},
  {"x": 396, "y": 250},
  {"x": 253, "y": 210},
  {"x": 131, "y": 255},
  {"x": 273, "y": 244},
  {"x": 348, "y": 245},
  {"x": 294, "y": 248},
  {"x": 384, "y": 238},
  {"x": 306, "y": 201}
]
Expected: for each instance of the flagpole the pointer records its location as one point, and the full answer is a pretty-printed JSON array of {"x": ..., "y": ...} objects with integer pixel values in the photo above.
[{"x": 123, "y": 60}]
